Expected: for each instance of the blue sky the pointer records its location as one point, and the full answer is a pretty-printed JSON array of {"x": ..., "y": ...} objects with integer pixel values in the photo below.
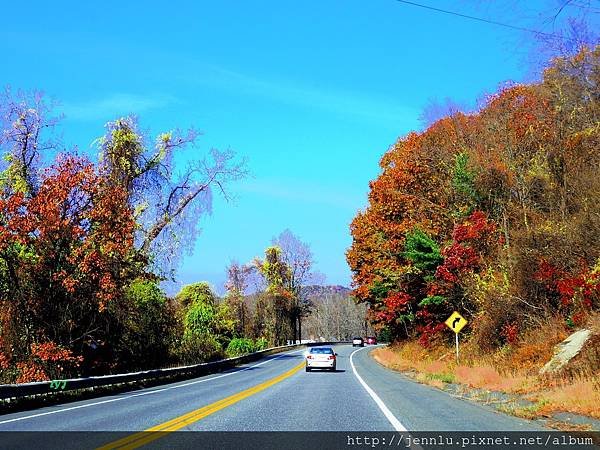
[{"x": 312, "y": 93}]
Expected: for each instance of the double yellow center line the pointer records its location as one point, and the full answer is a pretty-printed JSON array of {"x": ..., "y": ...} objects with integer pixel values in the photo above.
[{"x": 137, "y": 440}]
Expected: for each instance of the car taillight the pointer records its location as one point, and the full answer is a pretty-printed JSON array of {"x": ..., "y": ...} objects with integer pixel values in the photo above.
[
  {"x": 331, "y": 357},
  {"x": 308, "y": 357}
]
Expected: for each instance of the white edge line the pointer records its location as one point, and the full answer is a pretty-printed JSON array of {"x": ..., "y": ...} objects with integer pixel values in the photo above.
[
  {"x": 56, "y": 411},
  {"x": 384, "y": 409}
]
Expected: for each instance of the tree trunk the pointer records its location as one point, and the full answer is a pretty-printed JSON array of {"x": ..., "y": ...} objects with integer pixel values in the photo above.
[
  {"x": 505, "y": 227},
  {"x": 293, "y": 328}
]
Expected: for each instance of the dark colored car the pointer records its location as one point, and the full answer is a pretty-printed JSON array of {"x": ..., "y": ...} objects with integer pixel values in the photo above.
[{"x": 371, "y": 340}]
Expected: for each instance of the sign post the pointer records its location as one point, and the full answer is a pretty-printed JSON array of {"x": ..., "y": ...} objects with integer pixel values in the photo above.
[
  {"x": 456, "y": 336},
  {"x": 456, "y": 322}
]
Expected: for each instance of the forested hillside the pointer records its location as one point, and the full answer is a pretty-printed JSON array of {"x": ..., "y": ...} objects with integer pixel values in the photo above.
[{"x": 495, "y": 214}]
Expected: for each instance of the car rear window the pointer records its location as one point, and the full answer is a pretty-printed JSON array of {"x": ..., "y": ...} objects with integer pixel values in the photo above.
[{"x": 322, "y": 351}]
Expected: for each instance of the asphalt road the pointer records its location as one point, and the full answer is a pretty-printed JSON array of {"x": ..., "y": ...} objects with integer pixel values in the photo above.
[{"x": 274, "y": 394}]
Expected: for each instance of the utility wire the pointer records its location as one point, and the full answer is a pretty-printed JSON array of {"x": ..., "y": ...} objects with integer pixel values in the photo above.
[{"x": 480, "y": 19}]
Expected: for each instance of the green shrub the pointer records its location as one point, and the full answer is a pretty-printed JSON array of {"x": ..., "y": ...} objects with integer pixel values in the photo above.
[
  {"x": 261, "y": 344},
  {"x": 147, "y": 332},
  {"x": 443, "y": 377},
  {"x": 239, "y": 346},
  {"x": 384, "y": 335},
  {"x": 432, "y": 300},
  {"x": 196, "y": 293},
  {"x": 194, "y": 349}
]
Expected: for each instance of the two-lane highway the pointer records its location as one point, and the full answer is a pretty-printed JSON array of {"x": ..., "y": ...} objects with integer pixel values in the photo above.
[
  {"x": 275, "y": 394},
  {"x": 313, "y": 401}
]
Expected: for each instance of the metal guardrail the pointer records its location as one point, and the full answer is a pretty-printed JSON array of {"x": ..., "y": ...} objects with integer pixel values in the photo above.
[{"x": 14, "y": 391}]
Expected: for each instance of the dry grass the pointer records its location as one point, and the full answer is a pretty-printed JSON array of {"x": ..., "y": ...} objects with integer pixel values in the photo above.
[
  {"x": 487, "y": 377},
  {"x": 512, "y": 370},
  {"x": 580, "y": 396},
  {"x": 536, "y": 347}
]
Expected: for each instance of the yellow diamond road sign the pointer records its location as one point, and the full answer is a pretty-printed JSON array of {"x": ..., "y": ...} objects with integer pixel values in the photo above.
[{"x": 456, "y": 322}]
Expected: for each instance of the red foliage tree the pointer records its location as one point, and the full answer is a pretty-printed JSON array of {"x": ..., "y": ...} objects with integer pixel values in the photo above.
[{"x": 67, "y": 253}]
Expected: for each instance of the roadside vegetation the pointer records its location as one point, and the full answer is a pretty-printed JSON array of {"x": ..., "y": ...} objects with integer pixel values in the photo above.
[
  {"x": 85, "y": 244},
  {"x": 494, "y": 214},
  {"x": 511, "y": 370},
  {"x": 279, "y": 298},
  {"x": 85, "y": 247}
]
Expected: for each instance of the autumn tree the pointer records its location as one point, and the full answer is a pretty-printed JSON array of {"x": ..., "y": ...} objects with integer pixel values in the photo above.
[
  {"x": 411, "y": 192},
  {"x": 237, "y": 284},
  {"x": 167, "y": 205},
  {"x": 274, "y": 307},
  {"x": 26, "y": 139},
  {"x": 298, "y": 257},
  {"x": 66, "y": 255}
]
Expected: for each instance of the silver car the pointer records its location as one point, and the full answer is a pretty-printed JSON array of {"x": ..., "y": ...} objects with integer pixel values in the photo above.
[{"x": 320, "y": 358}]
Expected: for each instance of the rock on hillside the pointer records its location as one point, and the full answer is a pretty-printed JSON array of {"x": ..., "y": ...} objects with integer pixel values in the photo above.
[
  {"x": 316, "y": 291},
  {"x": 579, "y": 353}
]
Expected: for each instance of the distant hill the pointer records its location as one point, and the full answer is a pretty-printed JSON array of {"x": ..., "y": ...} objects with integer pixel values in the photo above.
[{"x": 315, "y": 291}]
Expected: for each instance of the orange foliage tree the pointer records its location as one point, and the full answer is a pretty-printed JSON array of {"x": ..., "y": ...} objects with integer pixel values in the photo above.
[{"x": 66, "y": 253}]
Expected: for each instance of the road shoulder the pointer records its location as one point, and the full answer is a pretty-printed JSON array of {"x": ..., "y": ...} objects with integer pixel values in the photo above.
[
  {"x": 513, "y": 405},
  {"x": 423, "y": 408}
]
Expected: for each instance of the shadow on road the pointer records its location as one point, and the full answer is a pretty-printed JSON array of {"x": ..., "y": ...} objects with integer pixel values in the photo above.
[{"x": 327, "y": 371}]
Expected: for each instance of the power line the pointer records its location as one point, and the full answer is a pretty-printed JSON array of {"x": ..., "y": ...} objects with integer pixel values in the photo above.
[{"x": 480, "y": 19}]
